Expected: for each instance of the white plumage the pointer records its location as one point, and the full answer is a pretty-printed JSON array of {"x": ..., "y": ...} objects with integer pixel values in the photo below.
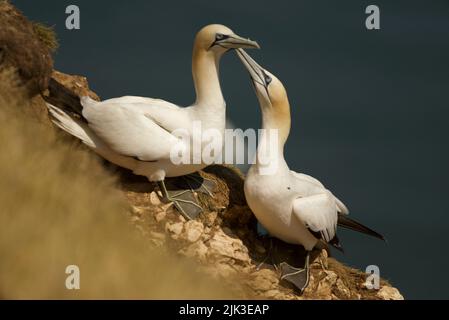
[
  {"x": 137, "y": 132},
  {"x": 288, "y": 204}
]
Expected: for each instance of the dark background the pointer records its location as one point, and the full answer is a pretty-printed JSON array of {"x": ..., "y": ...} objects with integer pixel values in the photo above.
[{"x": 370, "y": 109}]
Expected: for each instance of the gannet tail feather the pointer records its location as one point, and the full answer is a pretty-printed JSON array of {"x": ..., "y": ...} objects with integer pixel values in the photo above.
[
  {"x": 348, "y": 223},
  {"x": 79, "y": 128},
  {"x": 71, "y": 125},
  {"x": 64, "y": 98}
]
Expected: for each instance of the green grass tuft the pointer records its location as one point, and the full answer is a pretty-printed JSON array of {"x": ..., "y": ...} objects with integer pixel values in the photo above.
[{"x": 46, "y": 35}]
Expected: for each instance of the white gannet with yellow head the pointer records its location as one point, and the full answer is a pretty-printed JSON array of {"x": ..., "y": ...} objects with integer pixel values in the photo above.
[
  {"x": 291, "y": 206},
  {"x": 137, "y": 133}
]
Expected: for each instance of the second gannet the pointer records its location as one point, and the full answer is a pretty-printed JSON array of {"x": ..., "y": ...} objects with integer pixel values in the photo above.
[
  {"x": 137, "y": 133},
  {"x": 291, "y": 206}
]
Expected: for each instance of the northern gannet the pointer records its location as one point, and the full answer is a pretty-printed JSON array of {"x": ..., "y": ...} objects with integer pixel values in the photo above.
[
  {"x": 291, "y": 206},
  {"x": 136, "y": 132}
]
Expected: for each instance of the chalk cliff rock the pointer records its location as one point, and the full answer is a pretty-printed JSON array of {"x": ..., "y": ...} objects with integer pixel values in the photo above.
[{"x": 225, "y": 244}]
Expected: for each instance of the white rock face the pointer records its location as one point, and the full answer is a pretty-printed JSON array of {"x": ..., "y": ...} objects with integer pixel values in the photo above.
[
  {"x": 389, "y": 293},
  {"x": 193, "y": 231}
]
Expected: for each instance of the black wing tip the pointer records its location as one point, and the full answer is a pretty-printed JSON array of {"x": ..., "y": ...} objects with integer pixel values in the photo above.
[
  {"x": 379, "y": 236},
  {"x": 348, "y": 223},
  {"x": 63, "y": 98},
  {"x": 374, "y": 234}
]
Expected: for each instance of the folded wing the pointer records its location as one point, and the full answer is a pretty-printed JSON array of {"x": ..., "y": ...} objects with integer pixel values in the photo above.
[
  {"x": 304, "y": 177},
  {"x": 134, "y": 126},
  {"x": 318, "y": 212}
]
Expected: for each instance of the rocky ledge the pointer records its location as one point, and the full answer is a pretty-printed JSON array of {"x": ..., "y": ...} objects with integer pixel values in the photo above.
[{"x": 225, "y": 244}]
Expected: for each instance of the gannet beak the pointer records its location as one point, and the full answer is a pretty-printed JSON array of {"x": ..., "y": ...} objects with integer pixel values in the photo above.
[
  {"x": 260, "y": 78},
  {"x": 256, "y": 72},
  {"x": 234, "y": 41}
]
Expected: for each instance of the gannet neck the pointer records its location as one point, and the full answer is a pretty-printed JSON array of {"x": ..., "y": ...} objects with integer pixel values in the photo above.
[
  {"x": 270, "y": 149},
  {"x": 278, "y": 118},
  {"x": 274, "y": 134},
  {"x": 205, "y": 71}
]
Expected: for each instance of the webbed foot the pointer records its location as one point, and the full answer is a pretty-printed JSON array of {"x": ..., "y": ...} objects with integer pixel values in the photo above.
[
  {"x": 183, "y": 200},
  {"x": 298, "y": 277},
  {"x": 196, "y": 182}
]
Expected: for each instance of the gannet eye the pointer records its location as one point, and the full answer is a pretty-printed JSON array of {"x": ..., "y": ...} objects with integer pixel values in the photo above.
[
  {"x": 267, "y": 79},
  {"x": 220, "y": 36}
]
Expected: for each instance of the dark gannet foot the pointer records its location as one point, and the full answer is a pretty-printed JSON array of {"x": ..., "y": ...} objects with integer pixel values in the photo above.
[
  {"x": 183, "y": 200},
  {"x": 196, "y": 182},
  {"x": 298, "y": 277}
]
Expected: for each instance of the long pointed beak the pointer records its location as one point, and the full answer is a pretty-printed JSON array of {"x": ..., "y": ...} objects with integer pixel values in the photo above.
[
  {"x": 255, "y": 70},
  {"x": 234, "y": 41}
]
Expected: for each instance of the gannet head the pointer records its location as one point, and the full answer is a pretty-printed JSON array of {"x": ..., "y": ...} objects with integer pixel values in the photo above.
[
  {"x": 269, "y": 89},
  {"x": 271, "y": 94},
  {"x": 218, "y": 38}
]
